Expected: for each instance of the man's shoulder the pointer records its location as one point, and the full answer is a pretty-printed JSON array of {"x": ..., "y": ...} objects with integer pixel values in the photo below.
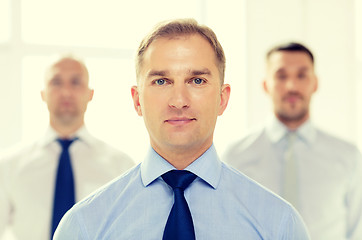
[
  {"x": 115, "y": 189},
  {"x": 334, "y": 141},
  {"x": 18, "y": 152},
  {"x": 242, "y": 181},
  {"x": 94, "y": 211},
  {"x": 109, "y": 153},
  {"x": 262, "y": 204},
  {"x": 250, "y": 143}
]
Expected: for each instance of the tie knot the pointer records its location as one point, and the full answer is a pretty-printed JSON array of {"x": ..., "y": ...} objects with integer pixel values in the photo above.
[
  {"x": 65, "y": 143},
  {"x": 179, "y": 178}
]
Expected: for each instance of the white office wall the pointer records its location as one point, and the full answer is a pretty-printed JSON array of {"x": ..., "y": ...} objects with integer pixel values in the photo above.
[
  {"x": 247, "y": 29},
  {"x": 228, "y": 22},
  {"x": 10, "y": 117},
  {"x": 358, "y": 57},
  {"x": 333, "y": 37}
]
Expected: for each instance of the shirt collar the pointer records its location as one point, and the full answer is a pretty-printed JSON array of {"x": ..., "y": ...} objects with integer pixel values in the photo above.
[
  {"x": 207, "y": 167},
  {"x": 276, "y": 130},
  {"x": 51, "y": 135},
  {"x": 85, "y": 136},
  {"x": 307, "y": 132}
]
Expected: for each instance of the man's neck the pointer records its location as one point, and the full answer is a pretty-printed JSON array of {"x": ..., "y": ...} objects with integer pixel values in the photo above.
[
  {"x": 66, "y": 131},
  {"x": 180, "y": 158}
]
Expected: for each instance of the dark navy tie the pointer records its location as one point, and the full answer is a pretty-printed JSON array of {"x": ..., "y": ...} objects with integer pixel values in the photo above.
[
  {"x": 179, "y": 224},
  {"x": 64, "y": 195}
]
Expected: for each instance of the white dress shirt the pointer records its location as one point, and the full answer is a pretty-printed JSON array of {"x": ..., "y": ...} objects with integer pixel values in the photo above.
[
  {"x": 329, "y": 176},
  {"x": 27, "y": 180}
]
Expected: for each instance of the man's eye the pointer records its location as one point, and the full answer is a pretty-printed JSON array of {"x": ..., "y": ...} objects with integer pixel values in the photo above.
[
  {"x": 76, "y": 81},
  {"x": 55, "y": 82},
  {"x": 301, "y": 76},
  {"x": 281, "y": 77},
  {"x": 198, "y": 81},
  {"x": 160, "y": 81}
]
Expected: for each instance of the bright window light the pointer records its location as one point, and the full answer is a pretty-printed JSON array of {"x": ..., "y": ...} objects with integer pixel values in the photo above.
[
  {"x": 35, "y": 115},
  {"x": 108, "y": 23},
  {"x": 4, "y": 20}
]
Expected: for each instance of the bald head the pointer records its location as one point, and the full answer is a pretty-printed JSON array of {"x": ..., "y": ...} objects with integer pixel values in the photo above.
[
  {"x": 66, "y": 62},
  {"x": 66, "y": 93}
]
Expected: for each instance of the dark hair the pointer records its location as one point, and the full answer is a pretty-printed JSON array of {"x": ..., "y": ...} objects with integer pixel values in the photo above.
[
  {"x": 290, "y": 47},
  {"x": 181, "y": 27}
]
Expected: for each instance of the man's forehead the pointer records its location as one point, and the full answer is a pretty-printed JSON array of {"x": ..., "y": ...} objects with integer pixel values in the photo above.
[
  {"x": 289, "y": 57},
  {"x": 66, "y": 68},
  {"x": 289, "y": 60},
  {"x": 67, "y": 64}
]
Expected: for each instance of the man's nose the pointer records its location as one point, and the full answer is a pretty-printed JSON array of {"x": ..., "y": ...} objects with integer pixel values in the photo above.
[
  {"x": 66, "y": 90},
  {"x": 179, "y": 96},
  {"x": 291, "y": 84}
]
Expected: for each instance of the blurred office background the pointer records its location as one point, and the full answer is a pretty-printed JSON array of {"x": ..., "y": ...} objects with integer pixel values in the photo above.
[{"x": 106, "y": 33}]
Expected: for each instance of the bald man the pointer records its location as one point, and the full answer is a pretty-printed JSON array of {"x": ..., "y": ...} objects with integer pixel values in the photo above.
[{"x": 40, "y": 182}]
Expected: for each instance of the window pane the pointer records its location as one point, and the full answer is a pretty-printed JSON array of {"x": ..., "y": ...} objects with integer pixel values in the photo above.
[
  {"x": 108, "y": 23},
  {"x": 10, "y": 103},
  {"x": 358, "y": 28},
  {"x": 4, "y": 20},
  {"x": 34, "y": 111}
]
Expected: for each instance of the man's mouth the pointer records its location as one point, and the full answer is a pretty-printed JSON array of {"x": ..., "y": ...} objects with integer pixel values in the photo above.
[
  {"x": 179, "y": 120},
  {"x": 292, "y": 98}
]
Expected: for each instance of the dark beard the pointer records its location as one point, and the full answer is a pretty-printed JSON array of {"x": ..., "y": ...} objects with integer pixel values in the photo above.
[{"x": 284, "y": 117}]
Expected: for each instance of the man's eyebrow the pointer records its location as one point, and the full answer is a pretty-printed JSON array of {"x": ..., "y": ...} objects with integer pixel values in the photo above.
[
  {"x": 154, "y": 73},
  {"x": 55, "y": 77},
  {"x": 194, "y": 72},
  {"x": 303, "y": 69},
  {"x": 204, "y": 71},
  {"x": 280, "y": 70}
]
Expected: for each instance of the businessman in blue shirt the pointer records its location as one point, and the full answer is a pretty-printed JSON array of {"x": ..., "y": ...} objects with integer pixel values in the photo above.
[{"x": 181, "y": 190}]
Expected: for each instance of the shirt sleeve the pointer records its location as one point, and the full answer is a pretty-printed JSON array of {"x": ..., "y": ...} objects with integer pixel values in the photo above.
[
  {"x": 294, "y": 228},
  {"x": 5, "y": 207},
  {"x": 4, "y": 210},
  {"x": 69, "y": 228},
  {"x": 354, "y": 200}
]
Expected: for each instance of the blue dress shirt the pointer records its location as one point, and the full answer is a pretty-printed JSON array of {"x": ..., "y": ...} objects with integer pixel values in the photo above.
[{"x": 224, "y": 203}]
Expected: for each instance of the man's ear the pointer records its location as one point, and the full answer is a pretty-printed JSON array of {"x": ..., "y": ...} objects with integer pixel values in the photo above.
[
  {"x": 316, "y": 84},
  {"x": 265, "y": 86},
  {"x": 42, "y": 94},
  {"x": 225, "y": 96},
  {"x": 91, "y": 93},
  {"x": 136, "y": 100}
]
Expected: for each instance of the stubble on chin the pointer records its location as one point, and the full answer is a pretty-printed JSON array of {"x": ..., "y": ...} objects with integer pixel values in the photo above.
[
  {"x": 289, "y": 116},
  {"x": 67, "y": 118}
]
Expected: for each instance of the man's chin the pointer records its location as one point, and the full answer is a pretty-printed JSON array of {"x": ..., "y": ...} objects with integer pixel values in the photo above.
[
  {"x": 292, "y": 117},
  {"x": 67, "y": 119},
  {"x": 181, "y": 142}
]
